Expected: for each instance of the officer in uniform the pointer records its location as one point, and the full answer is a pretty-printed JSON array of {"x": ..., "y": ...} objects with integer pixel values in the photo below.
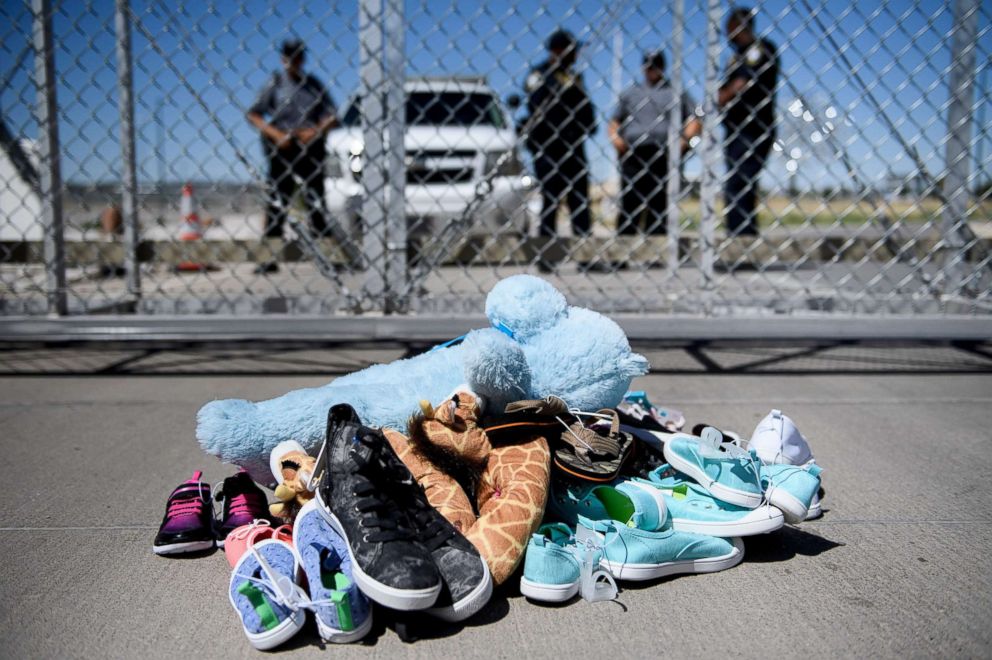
[
  {"x": 561, "y": 116},
  {"x": 300, "y": 114},
  {"x": 639, "y": 133},
  {"x": 748, "y": 102}
]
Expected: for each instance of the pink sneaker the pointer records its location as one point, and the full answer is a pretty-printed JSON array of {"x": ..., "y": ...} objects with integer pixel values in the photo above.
[
  {"x": 244, "y": 503},
  {"x": 188, "y": 522},
  {"x": 241, "y": 539}
]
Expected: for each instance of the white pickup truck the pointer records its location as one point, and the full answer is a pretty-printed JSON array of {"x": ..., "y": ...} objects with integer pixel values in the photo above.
[{"x": 457, "y": 132}]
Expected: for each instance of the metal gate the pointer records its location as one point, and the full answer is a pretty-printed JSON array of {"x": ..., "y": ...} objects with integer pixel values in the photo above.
[{"x": 798, "y": 159}]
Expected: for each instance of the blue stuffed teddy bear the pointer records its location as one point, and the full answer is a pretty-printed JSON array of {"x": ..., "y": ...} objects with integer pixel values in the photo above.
[{"x": 537, "y": 346}]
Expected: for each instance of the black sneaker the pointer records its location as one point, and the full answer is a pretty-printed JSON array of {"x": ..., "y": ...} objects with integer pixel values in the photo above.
[
  {"x": 188, "y": 522},
  {"x": 467, "y": 584},
  {"x": 244, "y": 503},
  {"x": 359, "y": 490}
]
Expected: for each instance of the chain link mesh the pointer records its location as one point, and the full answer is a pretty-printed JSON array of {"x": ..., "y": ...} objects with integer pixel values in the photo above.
[{"x": 458, "y": 134}]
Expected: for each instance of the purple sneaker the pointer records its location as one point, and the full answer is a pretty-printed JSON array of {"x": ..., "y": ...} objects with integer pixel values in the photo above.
[
  {"x": 188, "y": 522},
  {"x": 244, "y": 503}
]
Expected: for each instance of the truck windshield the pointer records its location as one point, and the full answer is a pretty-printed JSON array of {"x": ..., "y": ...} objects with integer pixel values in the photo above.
[{"x": 442, "y": 109}]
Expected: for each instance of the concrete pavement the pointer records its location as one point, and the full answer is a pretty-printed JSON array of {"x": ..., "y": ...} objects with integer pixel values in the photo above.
[{"x": 899, "y": 564}]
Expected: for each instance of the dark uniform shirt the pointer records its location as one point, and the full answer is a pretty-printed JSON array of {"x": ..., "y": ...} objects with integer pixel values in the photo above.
[
  {"x": 560, "y": 110},
  {"x": 753, "y": 111},
  {"x": 293, "y": 104}
]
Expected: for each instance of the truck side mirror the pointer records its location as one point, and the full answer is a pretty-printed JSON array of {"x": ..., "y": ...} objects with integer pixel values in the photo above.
[{"x": 513, "y": 101}]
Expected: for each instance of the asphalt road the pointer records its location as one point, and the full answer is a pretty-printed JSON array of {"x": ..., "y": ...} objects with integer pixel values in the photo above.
[{"x": 95, "y": 439}]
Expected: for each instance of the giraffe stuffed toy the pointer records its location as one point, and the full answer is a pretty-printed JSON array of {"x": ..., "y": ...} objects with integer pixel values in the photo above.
[{"x": 450, "y": 455}]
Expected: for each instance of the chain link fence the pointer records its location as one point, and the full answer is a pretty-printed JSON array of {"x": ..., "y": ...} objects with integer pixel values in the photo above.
[{"x": 802, "y": 158}]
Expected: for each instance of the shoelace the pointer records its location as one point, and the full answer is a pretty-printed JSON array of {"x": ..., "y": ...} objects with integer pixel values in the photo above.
[
  {"x": 250, "y": 503},
  {"x": 281, "y": 589},
  {"x": 182, "y": 506},
  {"x": 245, "y": 531},
  {"x": 380, "y": 513},
  {"x": 434, "y": 532}
]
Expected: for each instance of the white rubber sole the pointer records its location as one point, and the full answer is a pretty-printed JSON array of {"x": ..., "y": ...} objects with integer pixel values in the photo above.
[
  {"x": 335, "y": 636},
  {"x": 815, "y": 509},
  {"x": 548, "y": 593},
  {"x": 759, "y": 521},
  {"x": 385, "y": 595},
  {"x": 281, "y": 633},
  {"x": 641, "y": 572},
  {"x": 269, "y": 639},
  {"x": 183, "y": 548},
  {"x": 741, "y": 498},
  {"x": 329, "y": 633},
  {"x": 792, "y": 508},
  {"x": 470, "y": 604}
]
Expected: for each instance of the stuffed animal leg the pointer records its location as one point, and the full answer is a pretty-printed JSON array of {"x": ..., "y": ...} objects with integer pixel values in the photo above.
[
  {"x": 536, "y": 345},
  {"x": 386, "y": 395}
]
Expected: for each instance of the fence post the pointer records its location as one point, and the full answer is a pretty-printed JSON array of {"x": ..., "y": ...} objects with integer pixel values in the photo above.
[
  {"x": 395, "y": 239},
  {"x": 674, "y": 182},
  {"x": 129, "y": 179},
  {"x": 961, "y": 81},
  {"x": 710, "y": 147},
  {"x": 50, "y": 173},
  {"x": 374, "y": 203}
]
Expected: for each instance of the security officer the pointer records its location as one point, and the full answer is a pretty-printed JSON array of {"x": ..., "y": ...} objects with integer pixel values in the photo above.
[
  {"x": 561, "y": 116},
  {"x": 301, "y": 113},
  {"x": 639, "y": 133},
  {"x": 748, "y": 102}
]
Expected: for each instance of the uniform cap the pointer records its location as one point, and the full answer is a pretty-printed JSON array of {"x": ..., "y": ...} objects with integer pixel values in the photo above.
[
  {"x": 655, "y": 59},
  {"x": 292, "y": 48},
  {"x": 562, "y": 39}
]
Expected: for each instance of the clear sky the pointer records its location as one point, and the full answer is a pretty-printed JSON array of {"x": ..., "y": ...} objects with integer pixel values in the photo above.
[{"x": 198, "y": 66}]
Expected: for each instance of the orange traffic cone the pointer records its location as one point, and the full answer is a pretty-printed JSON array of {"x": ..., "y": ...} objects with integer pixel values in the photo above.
[{"x": 191, "y": 229}]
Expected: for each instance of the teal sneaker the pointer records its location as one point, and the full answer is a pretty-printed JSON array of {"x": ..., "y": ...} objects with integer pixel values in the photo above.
[
  {"x": 791, "y": 488},
  {"x": 726, "y": 471},
  {"x": 636, "y": 554},
  {"x": 640, "y": 508},
  {"x": 553, "y": 564},
  {"x": 691, "y": 508}
]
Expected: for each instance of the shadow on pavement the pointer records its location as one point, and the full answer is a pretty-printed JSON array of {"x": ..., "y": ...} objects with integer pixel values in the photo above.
[{"x": 785, "y": 544}]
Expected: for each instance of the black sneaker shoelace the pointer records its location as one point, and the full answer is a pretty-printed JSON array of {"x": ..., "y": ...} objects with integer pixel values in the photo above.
[
  {"x": 432, "y": 530},
  {"x": 377, "y": 479}
]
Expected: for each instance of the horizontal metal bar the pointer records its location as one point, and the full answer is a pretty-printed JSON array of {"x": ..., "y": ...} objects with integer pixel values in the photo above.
[
  {"x": 771, "y": 248},
  {"x": 199, "y": 329}
]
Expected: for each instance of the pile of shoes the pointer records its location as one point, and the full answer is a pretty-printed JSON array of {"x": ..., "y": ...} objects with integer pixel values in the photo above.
[
  {"x": 682, "y": 507},
  {"x": 630, "y": 497},
  {"x": 369, "y": 534}
]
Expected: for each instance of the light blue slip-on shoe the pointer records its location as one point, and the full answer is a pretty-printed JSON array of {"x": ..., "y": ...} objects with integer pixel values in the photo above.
[
  {"x": 791, "y": 488},
  {"x": 342, "y": 611},
  {"x": 691, "y": 508},
  {"x": 726, "y": 471},
  {"x": 637, "y": 554},
  {"x": 265, "y": 594},
  {"x": 636, "y": 507},
  {"x": 553, "y": 564}
]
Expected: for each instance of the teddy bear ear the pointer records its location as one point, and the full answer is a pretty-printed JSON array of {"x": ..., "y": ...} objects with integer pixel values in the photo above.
[{"x": 523, "y": 305}]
